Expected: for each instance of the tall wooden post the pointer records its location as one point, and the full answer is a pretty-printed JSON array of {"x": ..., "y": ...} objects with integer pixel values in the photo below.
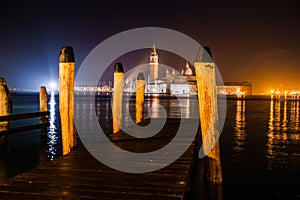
[
  {"x": 208, "y": 107},
  {"x": 5, "y": 109},
  {"x": 5, "y": 103},
  {"x": 43, "y": 107},
  {"x": 117, "y": 97},
  {"x": 139, "y": 97},
  {"x": 66, "y": 98},
  {"x": 43, "y": 99}
]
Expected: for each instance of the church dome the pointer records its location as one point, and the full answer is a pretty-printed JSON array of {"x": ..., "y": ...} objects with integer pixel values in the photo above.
[{"x": 187, "y": 71}]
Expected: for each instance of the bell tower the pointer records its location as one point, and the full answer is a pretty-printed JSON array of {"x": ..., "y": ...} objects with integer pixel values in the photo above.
[{"x": 153, "y": 64}]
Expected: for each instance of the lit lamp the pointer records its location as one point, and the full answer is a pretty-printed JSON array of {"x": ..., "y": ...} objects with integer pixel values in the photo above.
[
  {"x": 52, "y": 86},
  {"x": 285, "y": 94},
  {"x": 278, "y": 93},
  {"x": 271, "y": 92}
]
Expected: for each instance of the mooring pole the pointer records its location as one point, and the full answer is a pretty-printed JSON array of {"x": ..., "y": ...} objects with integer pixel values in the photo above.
[
  {"x": 43, "y": 107},
  {"x": 66, "y": 98},
  {"x": 43, "y": 99},
  {"x": 5, "y": 103},
  {"x": 43, "y": 102},
  {"x": 139, "y": 97},
  {"x": 117, "y": 97},
  {"x": 5, "y": 109},
  {"x": 208, "y": 108}
]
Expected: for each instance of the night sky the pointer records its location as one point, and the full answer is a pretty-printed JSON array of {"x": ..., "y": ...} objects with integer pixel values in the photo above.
[{"x": 250, "y": 40}]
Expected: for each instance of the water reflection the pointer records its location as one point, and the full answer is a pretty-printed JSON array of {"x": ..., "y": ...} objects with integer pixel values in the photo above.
[
  {"x": 52, "y": 136},
  {"x": 104, "y": 112},
  {"x": 173, "y": 107},
  {"x": 240, "y": 130},
  {"x": 294, "y": 116},
  {"x": 155, "y": 107},
  {"x": 283, "y": 135},
  {"x": 285, "y": 120}
]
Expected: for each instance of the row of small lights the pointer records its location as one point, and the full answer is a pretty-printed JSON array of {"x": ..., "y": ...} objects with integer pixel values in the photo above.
[
  {"x": 53, "y": 86},
  {"x": 278, "y": 92}
]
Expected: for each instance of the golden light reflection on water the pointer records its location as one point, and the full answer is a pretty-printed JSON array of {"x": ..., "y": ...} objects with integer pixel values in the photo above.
[
  {"x": 294, "y": 116},
  {"x": 174, "y": 108},
  {"x": 240, "y": 130},
  {"x": 155, "y": 109},
  {"x": 283, "y": 133}
]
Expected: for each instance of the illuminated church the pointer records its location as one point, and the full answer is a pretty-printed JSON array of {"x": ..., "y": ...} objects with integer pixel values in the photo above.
[
  {"x": 185, "y": 82},
  {"x": 173, "y": 82}
]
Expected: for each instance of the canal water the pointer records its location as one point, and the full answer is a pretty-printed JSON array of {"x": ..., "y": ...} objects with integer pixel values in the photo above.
[{"x": 260, "y": 142}]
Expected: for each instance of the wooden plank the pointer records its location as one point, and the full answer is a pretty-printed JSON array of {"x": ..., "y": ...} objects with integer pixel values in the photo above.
[
  {"x": 96, "y": 184},
  {"x": 24, "y": 129},
  {"x": 78, "y": 175},
  {"x": 23, "y": 116}
]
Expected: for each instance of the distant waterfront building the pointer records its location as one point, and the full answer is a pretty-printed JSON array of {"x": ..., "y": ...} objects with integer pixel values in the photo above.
[
  {"x": 235, "y": 88},
  {"x": 185, "y": 83},
  {"x": 173, "y": 82}
]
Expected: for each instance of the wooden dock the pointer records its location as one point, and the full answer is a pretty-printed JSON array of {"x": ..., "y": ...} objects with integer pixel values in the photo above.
[
  {"x": 9, "y": 131},
  {"x": 78, "y": 175}
]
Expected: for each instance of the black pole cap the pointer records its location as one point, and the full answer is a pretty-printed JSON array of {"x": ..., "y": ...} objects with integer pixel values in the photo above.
[
  {"x": 43, "y": 88},
  {"x": 204, "y": 55},
  {"x": 141, "y": 76},
  {"x": 118, "y": 68},
  {"x": 3, "y": 81},
  {"x": 66, "y": 55}
]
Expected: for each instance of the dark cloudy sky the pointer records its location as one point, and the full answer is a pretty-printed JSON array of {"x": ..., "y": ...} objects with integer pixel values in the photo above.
[{"x": 251, "y": 40}]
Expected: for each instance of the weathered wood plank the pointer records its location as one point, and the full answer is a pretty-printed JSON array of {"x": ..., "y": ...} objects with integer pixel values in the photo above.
[
  {"x": 23, "y": 116},
  {"x": 24, "y": 128},
  {"x": 78, "y": 175}
]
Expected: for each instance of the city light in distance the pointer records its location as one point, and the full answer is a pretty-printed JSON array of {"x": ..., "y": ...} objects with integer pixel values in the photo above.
[
  {"x": 52, "y": 85},
  {"x": 287, "y": 94}
]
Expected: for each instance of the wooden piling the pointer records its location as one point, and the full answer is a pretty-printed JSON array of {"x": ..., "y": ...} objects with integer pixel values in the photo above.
[
  {"x": 5, "y": 106},
  {"x": 43, "y": 99},
  {"x": 208, "y": 108},
  {"x": 43, "y": 107},
  {"x": 117, "y": 97},
  {"x": 139, "y": 97},
  {"x": 66, "y": 98},
  {"x": 5, "y": 103}
]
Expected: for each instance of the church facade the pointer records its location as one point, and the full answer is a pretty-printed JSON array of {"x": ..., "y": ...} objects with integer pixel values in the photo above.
[
  {"x": 173, "y": 82},
  {"x": 183, "y": 82}
]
